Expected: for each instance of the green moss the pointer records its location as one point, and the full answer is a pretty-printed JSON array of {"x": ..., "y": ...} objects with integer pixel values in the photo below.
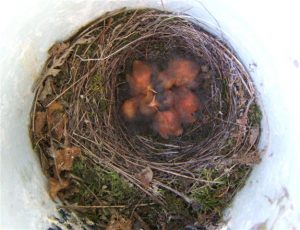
[
  {"x": 174, "y": 207},
  {"x": 97, "y": 87},
  {"x": 111, "y": 189},
  {"x": 209, "y": 200},
  {"x": 255, "y": 114},
  {"x": 104, "y": 184},
  {"x": 223, "y": 85},
  {"x": 119, "y": 189},
  {"x": 97, "y": 184},
  {"x": 151, "y": 214},
  {"x": 97, "y": 84},
  {"x": 175, "y": 204},
  {"x": 103, "y": 105},
  {"x": 241, "y": 176},
  {"x": 216, "y": 197}
]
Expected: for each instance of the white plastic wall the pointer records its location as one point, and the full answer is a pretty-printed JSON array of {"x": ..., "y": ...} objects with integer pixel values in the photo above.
[{"x": 265, "y": 35}]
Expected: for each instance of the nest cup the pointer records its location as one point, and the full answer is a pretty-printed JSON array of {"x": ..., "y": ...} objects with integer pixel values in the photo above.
[{"x": 87, "y": 76}]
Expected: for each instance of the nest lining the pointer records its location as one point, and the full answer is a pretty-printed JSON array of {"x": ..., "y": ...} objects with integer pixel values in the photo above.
[{"x": 86, "y": 75}]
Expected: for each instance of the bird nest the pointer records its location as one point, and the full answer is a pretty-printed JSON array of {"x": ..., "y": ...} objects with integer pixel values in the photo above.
[{"x": 102, "y": 166}]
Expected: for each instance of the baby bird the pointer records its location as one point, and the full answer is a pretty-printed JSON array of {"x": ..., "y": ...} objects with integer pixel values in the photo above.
[
  {"x": 129, "y": 109},
  {"x": 140, "y": 79},
  {"x": 148, "y": 104},
  {"x": 166, "y": 80},
  {"x": 167, "y": 124},
  {"x": 166, "y": 100},
  {"x": 184, "y": 72},
  {"x": 186, "y": 105}
]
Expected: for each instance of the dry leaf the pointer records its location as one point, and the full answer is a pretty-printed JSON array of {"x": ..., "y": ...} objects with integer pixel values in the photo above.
[
  {"x": 47, "y": 89},
  {"x": 39, "y": 123},
  {"x": 57, "y": 62},
  {"x": 60, "y": 53},
  {"x": 53, "y": 71},
  {"x": 254, "y": 133},
  {"x": 56, "y": 119},
  {"x": 241, "y": 129},
  {"x": 84, "y": 40},
  {"x": 64, "y": 158},
  {"x": 58, "y": 48},
  {"x": 146, "y": 176},
  {"x": 119, "y": 223},
  {"x": 242, "y": 121},
  {"x": 250, "y": 159},
  {"x": 55, "y": 186}
]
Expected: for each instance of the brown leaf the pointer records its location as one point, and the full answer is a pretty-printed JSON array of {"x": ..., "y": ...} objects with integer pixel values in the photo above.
[
  {"x": 47, "y": 89},
  {"x": 39, "y": 123},
  {"x": 53, "y": 71},
  {"x": 250, "y": 159},
  {"x": 241, "y": 129},
  {"x": 146, "y": 176},
  {"x": 242, "y": 121},
  {"x": 64, "y": 158},
  {"x": 54, "y": 107},
  {"x": 55, "y": 186},
  {"x": 57, "y": 62},
  {"x": 58, "y": 48},
  {"x": 119, "y": 223},
  {"x": 85, "y": 40},
  {"x": 254, "y": 133},
  {"x": 56, "y": 119}
]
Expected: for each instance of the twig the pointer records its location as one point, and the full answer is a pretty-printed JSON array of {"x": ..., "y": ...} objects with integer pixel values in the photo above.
[
  {"x": 103, "y": 206},
  {"x": 112, "y": 42},
  {"x": 73, "y": 84}
]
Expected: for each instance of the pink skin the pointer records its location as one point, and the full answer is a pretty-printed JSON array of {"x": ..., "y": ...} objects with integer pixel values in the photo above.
[
  {"x": 148, "y": 104},
  {"x": 186, "y": 105},
  {"x": 140, "y": 80},
  {"x": 167, "y": 124},
  {"x": 129, "y": 109},
  {"x": 166, "y": 80},
  {"x": 172, "y": 105},
  {"x": 184, "y": 72}
]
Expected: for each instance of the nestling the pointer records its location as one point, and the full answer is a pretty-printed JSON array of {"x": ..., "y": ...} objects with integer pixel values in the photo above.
[
  {"x": 166, "y": 79},
  {"x": 167, "y": 124},
  {"x": 184, "y": 72},
  {"x": 186, "y": 104},
  {"x": 140, "y": 79},
  {"x": 148, "y": 104},
  {"x": 166, "y": 100},
  {"x": 129, "y": 109}
]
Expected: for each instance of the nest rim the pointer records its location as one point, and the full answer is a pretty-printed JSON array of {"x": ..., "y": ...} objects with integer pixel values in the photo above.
[{"x": 123, "y": 153}]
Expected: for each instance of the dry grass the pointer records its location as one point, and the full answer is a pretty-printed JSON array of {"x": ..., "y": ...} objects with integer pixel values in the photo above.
[{"x": 87, "y": 76}]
